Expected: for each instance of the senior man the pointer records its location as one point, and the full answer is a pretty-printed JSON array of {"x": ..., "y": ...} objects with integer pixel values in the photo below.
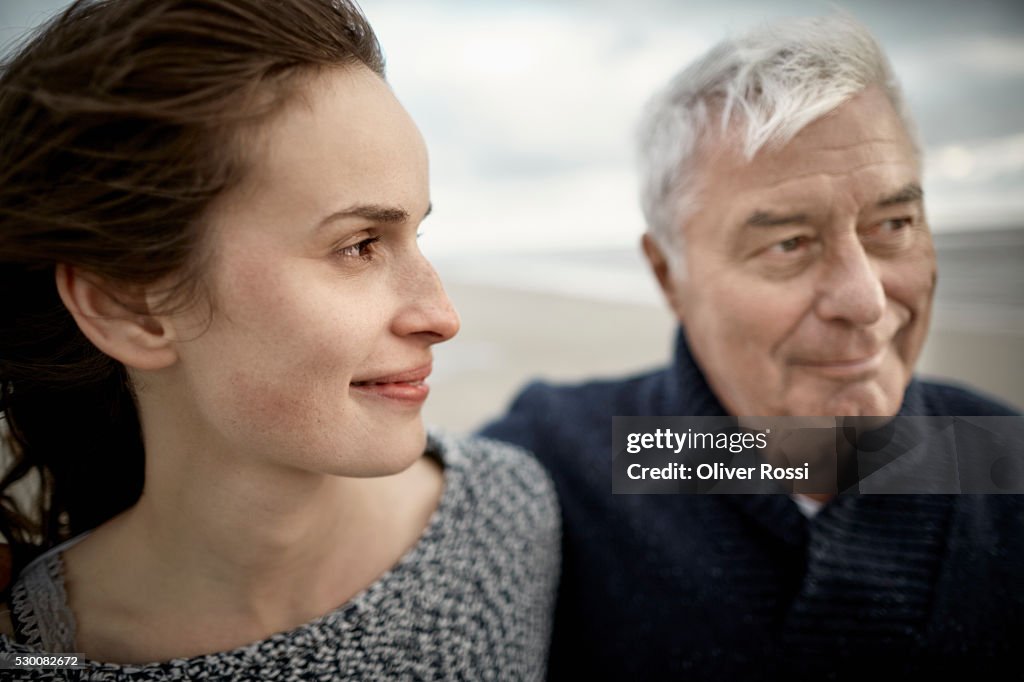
[{"x": 782, "y": 189}]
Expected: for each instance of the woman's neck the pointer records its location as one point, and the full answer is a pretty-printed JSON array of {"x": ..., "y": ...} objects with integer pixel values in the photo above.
[{"x": 220, "y": 551}]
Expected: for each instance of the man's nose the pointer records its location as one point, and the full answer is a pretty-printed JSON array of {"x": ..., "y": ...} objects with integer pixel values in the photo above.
[
  {"x": 850, "y": 286},
  {"x": 425, "y": 309}
]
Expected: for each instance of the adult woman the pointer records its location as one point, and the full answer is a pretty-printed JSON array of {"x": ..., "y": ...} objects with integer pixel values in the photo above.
[{"x": 218, "y": 329}]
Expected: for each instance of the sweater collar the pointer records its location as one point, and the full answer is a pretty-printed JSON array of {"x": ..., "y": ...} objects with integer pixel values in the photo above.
[{"x": 684, "y": 391}]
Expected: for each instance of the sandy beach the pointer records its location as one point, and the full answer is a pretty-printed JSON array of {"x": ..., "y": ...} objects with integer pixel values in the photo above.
[{"x": 509, "y": 337}]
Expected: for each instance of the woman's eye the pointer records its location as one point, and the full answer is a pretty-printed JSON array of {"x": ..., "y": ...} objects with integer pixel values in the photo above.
[{"x": 363, "y": 249}]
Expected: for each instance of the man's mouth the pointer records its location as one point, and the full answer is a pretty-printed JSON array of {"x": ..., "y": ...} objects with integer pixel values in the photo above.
[{"x": 846, "y": 367}]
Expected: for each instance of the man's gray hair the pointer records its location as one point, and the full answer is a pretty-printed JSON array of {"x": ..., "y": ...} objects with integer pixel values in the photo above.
[{"x": 767, "y": 85}]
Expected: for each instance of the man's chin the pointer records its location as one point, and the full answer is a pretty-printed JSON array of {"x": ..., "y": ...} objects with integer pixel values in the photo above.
[{"x": 860, "y": 400}]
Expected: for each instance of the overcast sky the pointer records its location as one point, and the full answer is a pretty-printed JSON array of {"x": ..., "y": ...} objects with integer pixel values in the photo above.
[{"x": 528, "y": 108}]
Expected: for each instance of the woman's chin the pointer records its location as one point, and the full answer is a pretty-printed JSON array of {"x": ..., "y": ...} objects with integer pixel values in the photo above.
[{"x": 390, "y": 453}]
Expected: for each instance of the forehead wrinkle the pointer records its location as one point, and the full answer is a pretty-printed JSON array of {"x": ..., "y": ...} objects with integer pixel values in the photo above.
[
  {"x": 829, "y": 174},
  {"x": 859, "y": 143},
  {"x": 803, "y": 203}
]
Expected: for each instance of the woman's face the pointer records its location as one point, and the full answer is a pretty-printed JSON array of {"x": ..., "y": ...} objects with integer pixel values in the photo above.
[{"x": 324, "y": 309}]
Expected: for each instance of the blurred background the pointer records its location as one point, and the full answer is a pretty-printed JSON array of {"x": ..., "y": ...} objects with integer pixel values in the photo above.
[{"x": 529, "y": 107}]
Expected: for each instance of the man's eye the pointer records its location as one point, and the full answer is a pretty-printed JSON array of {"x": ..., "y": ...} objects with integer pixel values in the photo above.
[
  {"x": 790, "y": 245},
  {"x": 895, "y": 224}
]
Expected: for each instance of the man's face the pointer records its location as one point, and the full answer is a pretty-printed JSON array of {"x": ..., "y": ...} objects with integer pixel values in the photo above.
[{"x": 809, "y": 271}]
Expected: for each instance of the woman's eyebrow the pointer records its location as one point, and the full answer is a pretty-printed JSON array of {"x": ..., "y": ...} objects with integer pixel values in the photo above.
[{"x": 378, "y": 213}]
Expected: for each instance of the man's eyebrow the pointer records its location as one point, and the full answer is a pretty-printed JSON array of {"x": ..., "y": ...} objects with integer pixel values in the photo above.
[
  {"x": 766, "y": 219},
  {"x": 374, "y": 212},
  {"x": 909, "y": 193}
]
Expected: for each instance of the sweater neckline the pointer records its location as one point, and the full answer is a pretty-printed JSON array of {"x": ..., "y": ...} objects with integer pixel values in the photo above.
[
  {"x": 343, "y": 616},
  {"x": 684, "y": 390}
]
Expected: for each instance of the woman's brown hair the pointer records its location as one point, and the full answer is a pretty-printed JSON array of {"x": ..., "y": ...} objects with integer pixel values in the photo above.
[{"x": 120, "y": 120}]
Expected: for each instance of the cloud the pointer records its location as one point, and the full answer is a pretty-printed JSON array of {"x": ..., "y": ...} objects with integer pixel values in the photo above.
[
  {"x": 973, "y": 184},
  {"x": 529, "y": 113},
  {"x": 994, "y": 55},
  {"x": 527, "y": 85},
  {"x": 528, "y": 108},
  {"x": 975, "y": 162}
]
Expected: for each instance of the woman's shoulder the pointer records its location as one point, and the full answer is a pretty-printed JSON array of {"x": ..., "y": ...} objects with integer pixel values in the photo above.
[
  {"x": 498, "y": 485},
  {"x": 494, "y": 555},
  {"x": 502, "y": 467}
]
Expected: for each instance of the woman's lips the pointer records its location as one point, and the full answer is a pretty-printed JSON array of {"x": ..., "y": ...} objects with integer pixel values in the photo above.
[
  {"x": 846, "y": 369},
  {"x": 407, "y": 386}
]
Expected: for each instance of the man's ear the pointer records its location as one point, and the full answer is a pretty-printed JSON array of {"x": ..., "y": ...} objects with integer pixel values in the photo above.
[
  {"x": 116, "y": 321},
  {"x": 668, "y": 280}
]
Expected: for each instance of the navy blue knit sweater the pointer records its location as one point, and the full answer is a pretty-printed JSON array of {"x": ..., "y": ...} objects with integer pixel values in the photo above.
[{"x": 745, "y": 587}]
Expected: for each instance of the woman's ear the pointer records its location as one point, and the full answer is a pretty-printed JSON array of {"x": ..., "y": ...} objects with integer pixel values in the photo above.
[{"x": 115, "y": 320}]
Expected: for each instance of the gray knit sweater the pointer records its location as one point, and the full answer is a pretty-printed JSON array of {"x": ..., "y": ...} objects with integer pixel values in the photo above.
[{"x": 472, "y": 600}]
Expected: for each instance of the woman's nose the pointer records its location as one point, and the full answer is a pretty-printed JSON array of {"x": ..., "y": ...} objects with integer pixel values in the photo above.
[{"x": 426, "y": 309}]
